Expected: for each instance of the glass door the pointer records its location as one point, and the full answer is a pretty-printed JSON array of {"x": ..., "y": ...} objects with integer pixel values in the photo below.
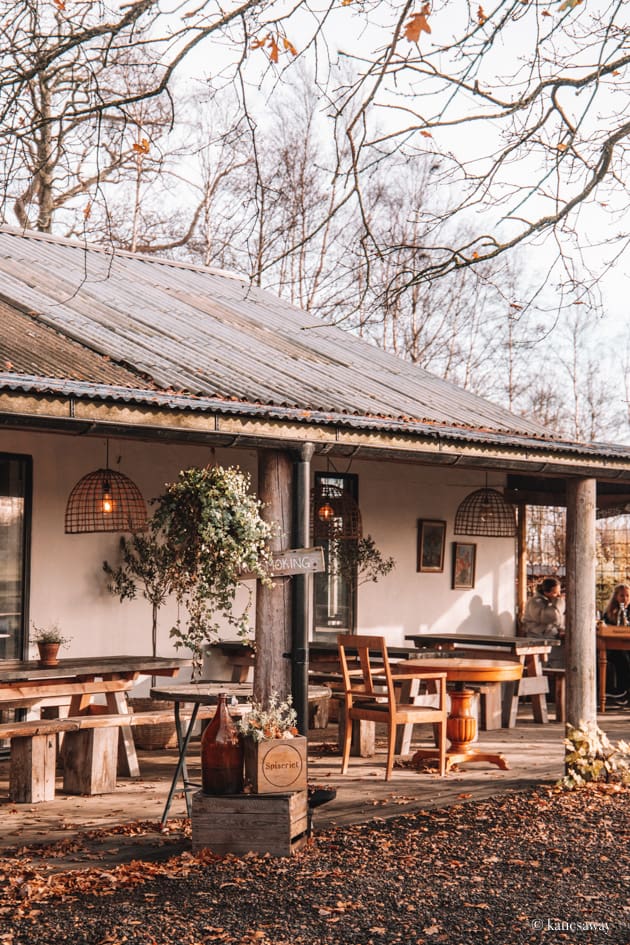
[
  {"x": 15, "y": 501},
  {"x": 335, "y": 588}
]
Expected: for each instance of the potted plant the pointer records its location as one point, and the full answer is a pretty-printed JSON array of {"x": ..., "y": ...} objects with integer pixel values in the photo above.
[
  {"x": 275, "y": 753},
  {"x": 48, "y": 641},
  {"x": 212, "y": 526}
]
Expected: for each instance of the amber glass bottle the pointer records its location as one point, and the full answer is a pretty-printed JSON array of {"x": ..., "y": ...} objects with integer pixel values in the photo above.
[{"x": 221, "y": 754}]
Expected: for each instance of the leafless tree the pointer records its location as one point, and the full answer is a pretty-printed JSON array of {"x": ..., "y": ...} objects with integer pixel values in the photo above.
[
  {"x": 58, "y": 146},
  {"x": 387, "y": 188},
  {"x": 521, "y": 107}
]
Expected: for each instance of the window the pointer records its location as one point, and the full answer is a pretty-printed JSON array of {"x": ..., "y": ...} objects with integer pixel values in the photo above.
[
  {"x": 335, "y": 594},
  {"x": 15, "y": 499}
]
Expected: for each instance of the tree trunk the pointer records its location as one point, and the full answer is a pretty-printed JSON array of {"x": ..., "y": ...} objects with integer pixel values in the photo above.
[{"x": 272, "y": 670}]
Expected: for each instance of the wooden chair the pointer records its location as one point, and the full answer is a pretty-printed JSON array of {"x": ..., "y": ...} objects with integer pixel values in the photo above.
[{"x": 371, "y": 693}]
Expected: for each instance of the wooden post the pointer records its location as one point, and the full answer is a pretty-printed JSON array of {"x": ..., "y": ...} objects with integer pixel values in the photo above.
[
  {"x": 272, "y": 671},
  {"x": 32, "y": 772},
  {"x": 89, "y": 761},
  {"x": 521, "y": 566},
  {"x": 580, "y": 614}
]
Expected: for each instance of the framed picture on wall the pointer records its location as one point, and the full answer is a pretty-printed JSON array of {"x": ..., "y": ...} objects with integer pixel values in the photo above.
[
  {"x": 464, "y": 557},
  {"x": 431, "y": 542}
]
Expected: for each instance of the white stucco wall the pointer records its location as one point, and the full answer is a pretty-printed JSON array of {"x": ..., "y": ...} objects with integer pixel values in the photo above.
[
  {"x": 68, "y": 584},
  {"x": 392, "y": 498},
  {"x": 67, "y": 581}
]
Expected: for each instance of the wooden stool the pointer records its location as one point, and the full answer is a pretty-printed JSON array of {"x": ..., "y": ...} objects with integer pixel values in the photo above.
[{"x": 89, "y": 761}]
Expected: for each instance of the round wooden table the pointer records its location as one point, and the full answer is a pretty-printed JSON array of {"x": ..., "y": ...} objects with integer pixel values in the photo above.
[{"x": 461, "y": 725}]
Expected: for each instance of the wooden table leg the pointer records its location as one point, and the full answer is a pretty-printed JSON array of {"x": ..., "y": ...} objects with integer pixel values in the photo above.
[
  {"x": 409, "y": 691},
  {"x": 510, "y": 703},
  {"x": 128, "y": 766},
  {"x": 79, "y": 704},
  {"x": 363, "y": 743},
  {"x": 532, "y": 683},
  {"x": 461, "y": 731},
  {"x": 537, "y": 691},
  {"x": 602, "y": 663}
]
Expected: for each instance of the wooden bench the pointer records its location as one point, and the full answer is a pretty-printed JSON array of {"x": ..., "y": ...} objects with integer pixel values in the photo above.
[{"x": 89, "y": 752}]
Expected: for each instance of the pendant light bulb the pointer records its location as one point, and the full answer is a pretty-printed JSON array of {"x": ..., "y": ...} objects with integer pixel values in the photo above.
[
  {"x": 107, "y": 500},
  {"x": 326, "y": 512}
]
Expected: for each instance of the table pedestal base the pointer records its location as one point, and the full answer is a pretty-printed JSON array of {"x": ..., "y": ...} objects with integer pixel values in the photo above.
[{"x": 461, "y": 731}]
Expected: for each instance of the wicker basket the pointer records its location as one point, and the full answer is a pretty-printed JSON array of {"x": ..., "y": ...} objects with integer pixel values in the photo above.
[{"x": 153, "y": 737}]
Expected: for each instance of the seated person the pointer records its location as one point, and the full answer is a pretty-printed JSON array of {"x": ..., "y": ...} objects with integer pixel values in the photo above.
[
  {"x": 617, "y": 614},
  {"x": 544, "y": 617}
]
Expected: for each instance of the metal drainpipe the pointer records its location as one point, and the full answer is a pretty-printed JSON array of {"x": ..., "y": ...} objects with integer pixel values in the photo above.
[{"x": 301, "y": 589}]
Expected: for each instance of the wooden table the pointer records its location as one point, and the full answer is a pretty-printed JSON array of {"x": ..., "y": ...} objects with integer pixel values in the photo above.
[
  {"x": 204, "y": 693},
  {"x": 529, "y": 652},
  {"x": 25, "y": 684},
  {"x": 322, "y": 656},
  {"x": 461, "y": 725},
  {"x": 608, "y": 638}
]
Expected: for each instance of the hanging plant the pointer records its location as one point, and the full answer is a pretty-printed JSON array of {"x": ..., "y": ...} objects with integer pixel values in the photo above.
[{"x": 214, "y": 531}]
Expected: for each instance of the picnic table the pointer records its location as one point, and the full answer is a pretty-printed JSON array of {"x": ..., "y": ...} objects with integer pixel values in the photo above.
[
  {"x": 26, "y": 684},
  {"x": 608, "y": 638}
]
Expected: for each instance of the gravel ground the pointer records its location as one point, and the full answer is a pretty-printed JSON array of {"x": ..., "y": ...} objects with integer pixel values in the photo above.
[{"x": 546, "y": 866}]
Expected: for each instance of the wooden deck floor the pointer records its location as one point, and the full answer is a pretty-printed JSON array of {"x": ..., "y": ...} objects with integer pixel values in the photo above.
[{"x": 535, "y": 754}]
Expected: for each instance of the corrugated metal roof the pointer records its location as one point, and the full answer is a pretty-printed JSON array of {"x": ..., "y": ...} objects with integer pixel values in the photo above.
[
  {"x": 28, "y": 347},
  {"x": 207, "y": 334},
  {"x": 440, "y": 432}
]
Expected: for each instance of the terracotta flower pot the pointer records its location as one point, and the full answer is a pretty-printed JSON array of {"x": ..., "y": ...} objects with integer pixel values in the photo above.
[{"x": 48, "y": 654}]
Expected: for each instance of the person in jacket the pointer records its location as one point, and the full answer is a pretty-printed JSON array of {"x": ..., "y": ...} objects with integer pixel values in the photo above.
[
  {"x": 544, "y": 617},
  {"x": 617, "y": 614},
  {"x": 544, "y": 612}
]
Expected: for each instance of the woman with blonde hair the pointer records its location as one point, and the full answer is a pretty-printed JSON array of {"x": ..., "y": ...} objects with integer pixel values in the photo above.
[{"x": 617, "y": 614}]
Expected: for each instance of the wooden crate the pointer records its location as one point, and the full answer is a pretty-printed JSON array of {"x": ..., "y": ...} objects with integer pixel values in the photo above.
[
  {"x": 276, "y": 765},
  {"x": 250, "y": 823}
]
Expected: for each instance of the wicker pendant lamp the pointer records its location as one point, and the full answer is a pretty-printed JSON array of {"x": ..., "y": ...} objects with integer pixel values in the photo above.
[
  {"x": 335, "y": 514},
  {"x": 105, "y": 501},
  {"x": 486, "y": 513}
]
